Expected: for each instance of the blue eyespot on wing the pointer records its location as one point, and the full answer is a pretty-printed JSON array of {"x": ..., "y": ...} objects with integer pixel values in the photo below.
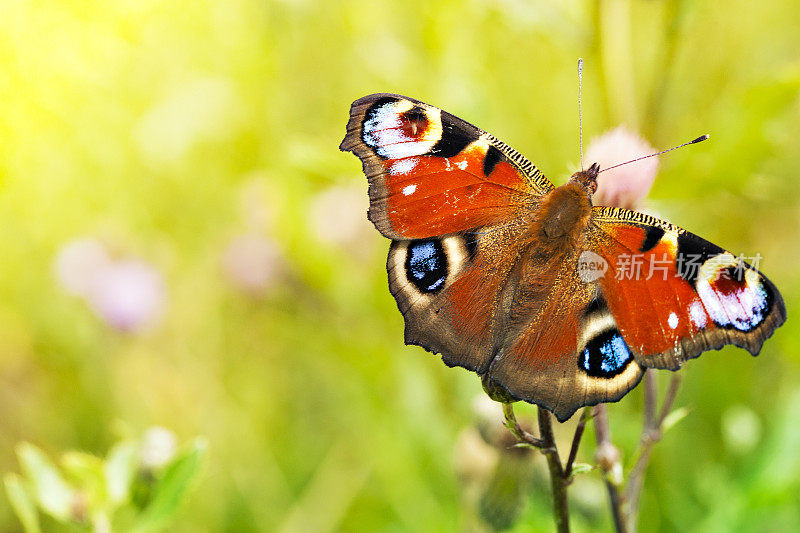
[
  {"x": 426, "y": 265},
  {"x": 605, "y": 355}
]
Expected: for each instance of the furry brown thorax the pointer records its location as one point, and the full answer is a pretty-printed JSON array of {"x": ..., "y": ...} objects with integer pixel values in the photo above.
[{"x": 565, "y": 211}]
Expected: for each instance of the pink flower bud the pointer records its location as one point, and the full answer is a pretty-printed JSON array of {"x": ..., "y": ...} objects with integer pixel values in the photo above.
[
  {"x": 627, "y": 185},
  {"x": 252, "y": 263},
  {"x": 128, "y": 295}
]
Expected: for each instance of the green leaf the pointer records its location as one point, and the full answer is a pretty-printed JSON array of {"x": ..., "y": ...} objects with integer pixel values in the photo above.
[
  {"x": 581, "y": 468},
  {"x": 171, "y": 489},
  {"x": 120, "y": 469},
  {"x": 21, "y": 503},
  {"x": 87, "y": 471},
  {"x": 50, "y": 490},
  {"x": 82, "y": 466},
  {"x": 673, "y": 418},
  {"x": 525, "y": 445}
]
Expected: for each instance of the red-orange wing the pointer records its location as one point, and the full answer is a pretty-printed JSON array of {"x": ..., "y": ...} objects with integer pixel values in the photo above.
[
  {"x": 675, "y": 295},
  {"x": 431, "y": 173}
]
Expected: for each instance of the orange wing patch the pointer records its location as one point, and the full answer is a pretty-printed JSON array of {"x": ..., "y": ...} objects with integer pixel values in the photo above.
[{"x": 430, "y": 195}]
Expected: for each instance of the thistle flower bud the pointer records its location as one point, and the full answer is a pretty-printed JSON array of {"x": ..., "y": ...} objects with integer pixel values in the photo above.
[{"x": 627, "y": 185}]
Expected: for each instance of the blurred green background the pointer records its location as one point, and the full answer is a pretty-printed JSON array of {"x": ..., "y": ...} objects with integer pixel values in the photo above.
[{"x": 199, "y": 141}]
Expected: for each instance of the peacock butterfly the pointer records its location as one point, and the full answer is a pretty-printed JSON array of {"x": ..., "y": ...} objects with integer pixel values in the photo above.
[{"x": 504, "y": 274}]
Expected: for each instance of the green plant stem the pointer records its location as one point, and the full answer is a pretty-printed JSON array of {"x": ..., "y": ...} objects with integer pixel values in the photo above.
[
  {"x": 676, "y": 13},
  {"x": 650, "y": 396},
  {"x": 545, "y": 443},
  {"x": 608, "y": 460},
  {"x": 651, "y": 434},
  {"x": 558, "y": 481},
  {"x": 576, "y": 441},
  {"x": 512, "y": 424},
  {"x": 614, "y": 44}
]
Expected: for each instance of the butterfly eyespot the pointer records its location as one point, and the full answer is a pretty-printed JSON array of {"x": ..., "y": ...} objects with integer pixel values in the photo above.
[
  {"x": 605, "y": 355},
  {"x": 426, "y": 265},
  {"x": 415, "y": 122},
  {"x": 396, "y": 128},
  {"x": 739, "y": 303}
]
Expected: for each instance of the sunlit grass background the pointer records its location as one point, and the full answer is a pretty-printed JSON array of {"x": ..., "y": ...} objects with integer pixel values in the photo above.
[{"x": 171, "y": 131}]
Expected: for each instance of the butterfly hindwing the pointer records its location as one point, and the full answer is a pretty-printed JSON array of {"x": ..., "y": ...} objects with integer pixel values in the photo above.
[
  {"x": 561, "y": 347},
  {"x": 431, "y": 173},
  {"x": 449, "y": 289},
  {"x": 676, "y": 295}
]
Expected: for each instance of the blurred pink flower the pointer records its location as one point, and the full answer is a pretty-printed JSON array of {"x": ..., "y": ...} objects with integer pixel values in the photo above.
[
  {"x": 252, "y": 263},
  {"x": 627, "y": 185},
  {"x": 128, "y": 295},
  {"x": 339, "y": 217},
  {"x": 79, "y": 264}
]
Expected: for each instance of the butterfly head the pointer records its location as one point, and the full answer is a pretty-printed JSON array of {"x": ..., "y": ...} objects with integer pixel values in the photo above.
[{"x": 588, "y": 178}]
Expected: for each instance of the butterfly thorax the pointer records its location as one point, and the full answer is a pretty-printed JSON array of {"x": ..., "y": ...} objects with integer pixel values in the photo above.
[{"x": 563, "y": 215}]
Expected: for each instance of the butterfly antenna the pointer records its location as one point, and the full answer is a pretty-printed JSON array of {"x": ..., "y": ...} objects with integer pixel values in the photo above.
[
  {"x": 699, "y": 139},
  {"x": 580, "y": 113}
]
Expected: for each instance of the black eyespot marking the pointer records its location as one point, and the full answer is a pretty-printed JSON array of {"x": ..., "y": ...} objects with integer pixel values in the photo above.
[
  {"x": 426, "y": 265},
  {"x": 598, "y": 304},
  {"x": 606, "y": 355},
  {"x": 692, "y": 253},
  {"x": 416, "y": 113},
  {"x": 415, "y": 121},
  {"x": 456, "y": 135},
  {"x": 471, "y": 243},
  {"x": 377, "y": 105},
  {"x": 652, "y": 234},
  {"x": 734, "y": 272},
  {"x": 493, "y": 156},
  {"x": 380, "y": 102}
]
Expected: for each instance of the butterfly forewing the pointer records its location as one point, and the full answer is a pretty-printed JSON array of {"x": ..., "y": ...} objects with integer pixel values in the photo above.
[
  {"x": 431, "y": 173},
  {"x": 676, "y": 295}
]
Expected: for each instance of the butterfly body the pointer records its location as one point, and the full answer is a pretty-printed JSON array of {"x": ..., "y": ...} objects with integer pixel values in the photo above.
[{"x": 506, "y": 275}]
